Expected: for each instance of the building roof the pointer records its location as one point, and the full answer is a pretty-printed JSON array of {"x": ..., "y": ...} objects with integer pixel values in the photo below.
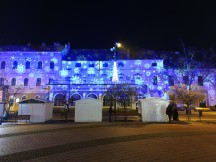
[
  {"x": 93, "y": 55},
  {"x": 26, "y": 48}
]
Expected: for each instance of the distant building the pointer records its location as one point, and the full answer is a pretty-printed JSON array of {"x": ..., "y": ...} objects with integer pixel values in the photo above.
[{"x": 58, "y": 72}]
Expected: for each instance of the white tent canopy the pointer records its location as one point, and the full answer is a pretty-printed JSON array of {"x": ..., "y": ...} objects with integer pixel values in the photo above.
[
  {"x": 88, "y": 110},
  {"x": 153, "y": 109}
]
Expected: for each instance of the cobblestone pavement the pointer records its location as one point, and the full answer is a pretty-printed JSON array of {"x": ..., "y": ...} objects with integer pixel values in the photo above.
[{"x": 115, "y": 141}]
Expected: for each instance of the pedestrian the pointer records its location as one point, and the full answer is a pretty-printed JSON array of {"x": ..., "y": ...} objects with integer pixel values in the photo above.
[
  {"x": 169, "y": 112},
  {"x": 175, "y": 112}
]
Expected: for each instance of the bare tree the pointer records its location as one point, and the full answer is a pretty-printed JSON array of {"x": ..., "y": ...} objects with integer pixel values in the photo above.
[
  {"x": 11, "y": 94},
  {"x": 123, "y": 93},
  {"x": 187, "y": 95}
]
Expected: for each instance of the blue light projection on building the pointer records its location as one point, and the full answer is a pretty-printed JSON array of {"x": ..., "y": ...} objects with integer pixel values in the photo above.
[{"x": 81, "y": 73}]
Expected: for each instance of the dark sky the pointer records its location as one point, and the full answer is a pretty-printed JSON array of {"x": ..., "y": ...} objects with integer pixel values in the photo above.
[{"x": 150, "y": 24}]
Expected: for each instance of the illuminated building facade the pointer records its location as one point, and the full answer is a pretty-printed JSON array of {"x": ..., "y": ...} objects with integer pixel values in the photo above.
[{"x": 28, "y": 71}]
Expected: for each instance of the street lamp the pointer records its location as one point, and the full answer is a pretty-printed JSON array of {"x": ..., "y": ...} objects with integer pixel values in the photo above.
[
  {"x": 115, "y": 71},
  {"x": 114, "y": 49}
]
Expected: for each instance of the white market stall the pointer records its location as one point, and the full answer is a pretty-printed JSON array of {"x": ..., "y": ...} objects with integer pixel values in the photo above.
[
  {"x": 88, "y": 110},
  {"x": 153, "y": 109},
  {"x": 39, "y": 110}
]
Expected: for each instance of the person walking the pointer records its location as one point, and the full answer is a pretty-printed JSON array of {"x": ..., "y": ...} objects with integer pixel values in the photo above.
[
  {"x": 169, "y": 112},
  {"x": 175, "y": 112}
]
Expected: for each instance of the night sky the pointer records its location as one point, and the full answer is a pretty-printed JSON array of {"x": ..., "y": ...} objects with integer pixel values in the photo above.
[{"x": 149, "y": 24}]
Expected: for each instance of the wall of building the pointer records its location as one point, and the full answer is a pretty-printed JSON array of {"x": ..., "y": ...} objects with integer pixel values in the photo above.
[{"x": 89, "y": 77}]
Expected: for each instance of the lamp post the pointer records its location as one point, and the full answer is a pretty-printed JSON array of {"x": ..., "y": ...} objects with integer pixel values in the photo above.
[{"x": 115, "y": 72}]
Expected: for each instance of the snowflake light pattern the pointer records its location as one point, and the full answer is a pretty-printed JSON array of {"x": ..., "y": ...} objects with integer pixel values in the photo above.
[
  {"x": 76, "y": 80},
  {"x": 20, "y": 69},
  {"x": 139, "y": 81},
  {"x": 148, "y": 73},
  {"x": 47, "y": 68},
  {"x": 63, "y": 73},
  {"x": 76, "y": 70},
  {"x": 91, "y": 71},
  {"x": 55, "y": 60},
  {"x": 147, "y": 65},
  {"x": 56, "y": 68},
  {"x": 138, "y": 62}
]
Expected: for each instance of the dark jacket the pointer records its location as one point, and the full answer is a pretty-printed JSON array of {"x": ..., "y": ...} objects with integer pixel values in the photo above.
[{"x": 169, "y": 110}]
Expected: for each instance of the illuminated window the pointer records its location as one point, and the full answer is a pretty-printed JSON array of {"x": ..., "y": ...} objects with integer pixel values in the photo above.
[
  {"x": 51, "y": 65},
  {"x": 17, "y": 100},
  {"x": 27, "y": 65},
  {"x": 1, "y": 81},
  {"x": 39, "y": 65},
  {"x": 26, "y": 82},
  {"x": 3, "y": 65},
  {"x": 13, "y": 82},
  {"x": 38, "y": 82},
  {"x": 15, "y": 64}
]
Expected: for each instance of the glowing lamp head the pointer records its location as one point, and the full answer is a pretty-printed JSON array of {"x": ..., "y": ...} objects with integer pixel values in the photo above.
[{"x": 118, "y": 45}]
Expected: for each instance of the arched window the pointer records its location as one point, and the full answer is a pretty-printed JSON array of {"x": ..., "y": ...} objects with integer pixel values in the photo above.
[
  {"x": 154, "y": 80},
  {"x": 73, "y": 98},
  {"x": 3, "y": 65},
  {"x": 51, "y": 81},
  {"x": 39, "y": 65},
  {"x": 26, "y": 82},
  {"x": 59, "y": 100},
  {"x": 107, "y": 100},
  {"x": 38, "y": 82},
  {"x": 13, "y": 82},
  {"x": 15, "y": 64},
  {"x": 92, "y": 96},
  {"x": 27, "y": 65},
  {"x": 1, "y": 81},
  {"x": 51, "y": 65},
  {"x": 23, "y": 98}
]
